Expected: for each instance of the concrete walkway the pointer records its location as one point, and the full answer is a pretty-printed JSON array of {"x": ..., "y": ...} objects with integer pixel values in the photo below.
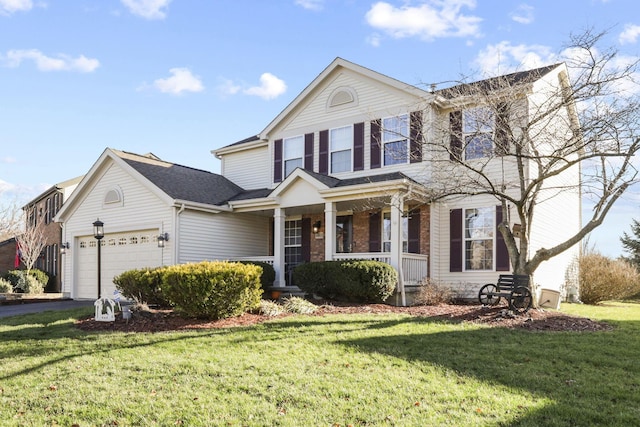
[{"x": 39, "y": 307}]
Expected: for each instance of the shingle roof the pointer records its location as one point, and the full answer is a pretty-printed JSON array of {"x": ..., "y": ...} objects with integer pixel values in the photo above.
[
  {"x": 497, "y": 83},
  {"x": 182, "y": 182}
]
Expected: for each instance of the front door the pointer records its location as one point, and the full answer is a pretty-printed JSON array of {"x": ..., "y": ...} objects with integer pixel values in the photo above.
[
  {"x": 344, "y": 234},
  {"x": 292, "y": 248}
]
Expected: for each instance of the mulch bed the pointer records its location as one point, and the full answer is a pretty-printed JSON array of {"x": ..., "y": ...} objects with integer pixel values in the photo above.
[{"x": 154, "y": 320}]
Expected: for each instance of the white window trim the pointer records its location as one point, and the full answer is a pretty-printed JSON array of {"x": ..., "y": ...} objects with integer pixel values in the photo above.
[
  {"x": 338, "y": 151},
  {"x": 491, "y": 209},
  {"x": 405, "y": 242},
  {"x": 406, "y": 138},
  {"x": 491, "y": 133},
  {"x": 284, "y": 150}
]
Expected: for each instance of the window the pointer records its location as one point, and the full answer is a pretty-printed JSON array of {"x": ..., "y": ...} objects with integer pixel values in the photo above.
[
  {"x": 479, "y": 227},
  {"x": 386, "y": 232},
  {"x": 292, "y": 245},
  {"x": 395, "y": 133},
  {"x": 478, "y": 125},
  {"x": 341, "y": 141},
  {"x": 293, "y": 154}
]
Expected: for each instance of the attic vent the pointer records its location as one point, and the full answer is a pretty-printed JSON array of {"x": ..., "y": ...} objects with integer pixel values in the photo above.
[
  {"x": 113, "y": 197},
  {"x": 342, "y": 96}
]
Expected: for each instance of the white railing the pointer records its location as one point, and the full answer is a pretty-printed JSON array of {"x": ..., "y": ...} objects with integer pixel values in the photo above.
[
  {"x": 267, "y": 259},
  {"x": 415, "y": 267}
]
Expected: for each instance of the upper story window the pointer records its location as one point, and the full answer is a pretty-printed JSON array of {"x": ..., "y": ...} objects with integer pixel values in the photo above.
[
  {"x": 479, "y": 226},
  {"x": 293, "y": 152},
  {"x": 341, "y": 143},
  {"x": 395, "y": 140},
  {"x": 478, "y": 126}
]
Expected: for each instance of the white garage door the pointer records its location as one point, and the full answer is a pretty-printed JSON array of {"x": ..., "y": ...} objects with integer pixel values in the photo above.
[{"x": 119, "y": 252}]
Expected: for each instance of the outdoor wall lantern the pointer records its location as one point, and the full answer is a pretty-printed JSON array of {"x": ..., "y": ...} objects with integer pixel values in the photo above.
[
  {"x": 164, "y": 237},
  {"x": 64, "y": 247},
  {"x": 98, "y": 233},
  {"x": 316, "y": 227}
]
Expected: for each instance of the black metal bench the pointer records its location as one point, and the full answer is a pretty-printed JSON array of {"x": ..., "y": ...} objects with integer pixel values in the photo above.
[{"x": 512, "y": 287}]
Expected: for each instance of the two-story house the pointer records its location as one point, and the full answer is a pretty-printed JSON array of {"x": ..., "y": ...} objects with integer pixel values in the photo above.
[
  {"x": 40, "y": 212},
  {"x": 345, "y": 171}
]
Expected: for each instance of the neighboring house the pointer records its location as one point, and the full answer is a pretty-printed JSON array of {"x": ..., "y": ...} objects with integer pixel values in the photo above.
[
  {"x": 342, "y": 173},
  {"x": 7, "y": 256},
  {"x": 41, "y": 211}
]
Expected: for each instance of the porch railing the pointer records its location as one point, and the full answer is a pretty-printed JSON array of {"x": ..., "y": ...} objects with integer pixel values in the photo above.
[
  {"x": 415, "y": 267},
  {"x": 266, "y": 259}
]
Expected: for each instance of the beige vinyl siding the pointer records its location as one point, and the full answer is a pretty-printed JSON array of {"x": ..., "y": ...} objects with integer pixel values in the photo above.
[
  {"x": 221, "y": 236},
  {"x": 141, "y": 210},
  {"x": 250, "y": 169}
]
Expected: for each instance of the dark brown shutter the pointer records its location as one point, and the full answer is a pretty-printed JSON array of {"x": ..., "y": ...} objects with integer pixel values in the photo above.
[
  {"x": 455, "y": 141},
  {"x": 375, "y": 232},
  {"x": 416, "y": 137},
  {"x": 502, "y": 254},
  {"x": 455, "y": 240},
  {"x": 308, "y": 151},
  {"x": 277, "y": 160},
  {"x": 358, "y": 146},
  {"x": 414, "y": 232},
  {"x": 502, "y": 129},
  {"x": 374, "y": 144},
  {"x": 323, "y": 168},
  {"x": 306, "y": 239}
]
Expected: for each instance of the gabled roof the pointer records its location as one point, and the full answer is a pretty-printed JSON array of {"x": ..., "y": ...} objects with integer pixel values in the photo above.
[
  {"x": 183, "y": 182},
  {"x": 56, "y": 187}
]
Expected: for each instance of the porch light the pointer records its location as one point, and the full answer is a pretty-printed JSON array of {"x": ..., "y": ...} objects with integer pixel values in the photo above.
[
  {"x": 64, "y": 247},
  {"x": 316, "y": 227},
  {"x": 162, "y": 238}
]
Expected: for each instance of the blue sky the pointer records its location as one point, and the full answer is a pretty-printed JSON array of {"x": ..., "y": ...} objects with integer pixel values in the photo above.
[{"x": 182, "y": 77}]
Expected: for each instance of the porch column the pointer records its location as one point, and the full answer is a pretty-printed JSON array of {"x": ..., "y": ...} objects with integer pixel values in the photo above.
[
  {"x": 278, "y": 247},
  {"x": 397, "y": 208},
  {"x": 329, "y": 230}
]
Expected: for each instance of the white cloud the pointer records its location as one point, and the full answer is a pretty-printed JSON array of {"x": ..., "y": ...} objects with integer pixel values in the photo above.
[
  {"x": 148, "y": 9},
  {"x": 181, "y": 81},
  {"x": 8, "y": 160},
  {"x": 630, "y": 34},
  {"x": 228, "y": 87},
  {"x": 7, "y": 7},
  {"x": 503, "y": 58},
  {"x": 523, "y": 14},
  {"x": 430, "y": 20},
  {"x": 311, "y": 4},
  {"x": 62, "y": 62},
  {"x": 270, "y": 87}
]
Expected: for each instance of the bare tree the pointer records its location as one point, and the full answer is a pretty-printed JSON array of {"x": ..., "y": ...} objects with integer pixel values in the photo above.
[
  {"x": 31, "y": 240},
  {"x": 11, "y": 217},
  {"x": 577, "y": 133}
]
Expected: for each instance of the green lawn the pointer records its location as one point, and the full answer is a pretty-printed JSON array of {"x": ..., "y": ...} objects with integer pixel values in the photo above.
[{"x": 373, "y": 370}]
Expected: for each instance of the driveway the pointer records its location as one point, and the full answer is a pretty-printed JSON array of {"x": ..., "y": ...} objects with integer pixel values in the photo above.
[{"x": 39, "y": 307}]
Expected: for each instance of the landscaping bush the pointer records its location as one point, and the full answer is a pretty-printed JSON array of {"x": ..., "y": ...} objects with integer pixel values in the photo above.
[
  {"x": 213, "y": 290},
  {"x": 15, "y": 276},
  {"x": 268, "y": 275},
  {"x": 270, "y": 308},
  {"x": 365, "y": 281},
  {"x": 299, "y": 306},
  {"x": 144, "y": 286},
  {"x": 603, "y": 278},
  {"x": 5, "y": 286},
  {"x": 433, "y": 292},
  {"x": 28, "y": 284}
]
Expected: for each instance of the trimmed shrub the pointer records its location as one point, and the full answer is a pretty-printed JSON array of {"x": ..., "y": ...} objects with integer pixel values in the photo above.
[
  {"x": 433, "y": 292},
  {"x": 28, "y": 284},
  {"x": 144, "y": 286},
  {"x": 14, "y": 276},
  {"x": 213, "y": 290},
  {"x": 5, "y": 286},
  {"x": 603, "y": 278},
  {"x": 268, "y": 275},
  {"x": 270, "y": 308},
  {"x": 365, "y": 281}
]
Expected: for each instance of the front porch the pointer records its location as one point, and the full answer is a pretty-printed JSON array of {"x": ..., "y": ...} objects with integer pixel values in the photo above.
[{"x": 319, "y": 218}]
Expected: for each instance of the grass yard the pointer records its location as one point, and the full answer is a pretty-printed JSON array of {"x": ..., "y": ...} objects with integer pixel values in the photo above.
[{"x": 336, "y": 370}]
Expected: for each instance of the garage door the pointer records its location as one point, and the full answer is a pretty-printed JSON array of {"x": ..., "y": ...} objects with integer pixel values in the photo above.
[{"x": 119, "y": 252}]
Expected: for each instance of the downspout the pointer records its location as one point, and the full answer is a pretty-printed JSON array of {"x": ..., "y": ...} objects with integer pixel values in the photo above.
[{"x": 176, "y": 241}]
